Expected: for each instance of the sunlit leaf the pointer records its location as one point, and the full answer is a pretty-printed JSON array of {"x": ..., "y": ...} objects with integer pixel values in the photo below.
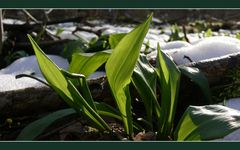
[
  {"x": 87, "y": 63},
  {"x": 207, "y": 123},
  {"x": 64, "y": 87},
  {"x": 144, "y": 79},
  {"x": 114, "y": 39},
  {"x": 169, "y": 76},
  {"x": 119, "y": 69}
]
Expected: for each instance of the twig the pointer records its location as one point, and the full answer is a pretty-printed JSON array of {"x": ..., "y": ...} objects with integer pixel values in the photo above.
[
  {"x": 185, "y": 33},
  {"x": 188, "y": 58},
  {"x": 30, "y": 16},
  {"x": 46, "y": 14}
]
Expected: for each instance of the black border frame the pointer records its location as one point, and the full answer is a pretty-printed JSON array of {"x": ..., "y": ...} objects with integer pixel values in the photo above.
[{"x": 119, "y": 4}]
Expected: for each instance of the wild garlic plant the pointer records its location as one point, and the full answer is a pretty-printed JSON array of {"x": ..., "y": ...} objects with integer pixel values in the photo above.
[{"x": 124, "y": 65}]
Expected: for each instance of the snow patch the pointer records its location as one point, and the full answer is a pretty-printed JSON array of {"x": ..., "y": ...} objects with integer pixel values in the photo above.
[
  {"x": 25, "y": 65},
  {"x": 97, "y": 74},
  {"x": 205, "y": 49},
  {"x": 175, "y": 45},
  {"x": 235, "y": 104},
  {"x": 29, "y": 64}
]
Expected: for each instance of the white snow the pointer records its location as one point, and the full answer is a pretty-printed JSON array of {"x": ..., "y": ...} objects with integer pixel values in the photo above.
[
  {"x": 175, "y": 45},
  {"x": 219, "y": 38},
  {"x": 200, "y": 50},
  {"x": 97, "y": 74},
  {"x": 13, "y": 21},
  {"x": 115, "y": 29},
  {"x": 235, "y": 104},
  {"x": 29, "y": 65},
  {"x": 86, "y": 35},
  {"x": 25, "y": 65},
  {"x": 9, "y": 83}
]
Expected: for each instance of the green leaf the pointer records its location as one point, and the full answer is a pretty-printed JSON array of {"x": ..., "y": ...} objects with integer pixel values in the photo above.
[
  {"x": 87, "y": 63},
  {"x": 114, "y": 39},
  {"x": 59, "y": 31},
  {"x": 144, "y": 79},
  {"x": 71, "y": 47},
  {"x": 208, "y": 33},
  {"x": 107, "y": 110},
  {"x": 64, "y": 87},
  {"x": 35, "y": 128},
  {"x": 207, "y": 123},
  {"x": 238, "y": 35},
  {"x": 169, "y": 76},
  {"x": 119, "y": 69},
  {"x": 81, "y": 82},
  {"x": 199, "y": 78},
  {"x": 52, "y": 74}
]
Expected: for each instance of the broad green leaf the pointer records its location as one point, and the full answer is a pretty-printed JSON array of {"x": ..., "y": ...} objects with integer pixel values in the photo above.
[
  {"x": 64, "y": 87},
  {"x": 37, "y": 127},
  {"x": 119, "y": 69},
  {"x": 81, "y": 82},
  {"x": 169, "y": 76},
  {"x": 87, "y": 63},
  {"x": 52, "y": 74},
  {"x": 144, "y": 79},
  {"x": 114, "y": 39},
  {"x": 198, "y": 77},
  {"x": 207, "y": 123}
]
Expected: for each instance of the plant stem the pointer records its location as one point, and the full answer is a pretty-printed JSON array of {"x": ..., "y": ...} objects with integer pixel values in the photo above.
[{"x": 30, "y": 76}]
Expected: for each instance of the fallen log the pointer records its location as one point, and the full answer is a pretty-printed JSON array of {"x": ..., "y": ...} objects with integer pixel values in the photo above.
[
  {"x": 41, "y": 100},
  {"x": 216, "y": 69}
]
